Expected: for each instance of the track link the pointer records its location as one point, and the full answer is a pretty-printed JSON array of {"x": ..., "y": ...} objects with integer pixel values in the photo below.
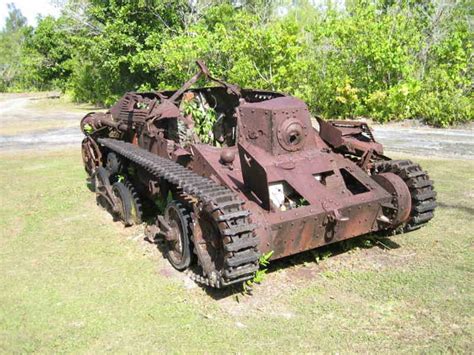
[
  {"x": 237, "y": 233},
  {"x": 423, "y": 196}
]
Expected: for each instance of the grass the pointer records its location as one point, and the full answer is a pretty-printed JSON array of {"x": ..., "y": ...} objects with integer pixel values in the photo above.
[{"x": 74, "y": 281}]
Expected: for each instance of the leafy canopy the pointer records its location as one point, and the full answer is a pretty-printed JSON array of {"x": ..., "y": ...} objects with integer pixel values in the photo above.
[{"x": 384, "y": 59}]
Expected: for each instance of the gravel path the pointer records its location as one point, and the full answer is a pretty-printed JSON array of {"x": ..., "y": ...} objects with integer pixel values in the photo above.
[
  {"x": 18, "y": 108},
  {"x": 47, "y": 139},
  {"x": 452, "y": 143}
]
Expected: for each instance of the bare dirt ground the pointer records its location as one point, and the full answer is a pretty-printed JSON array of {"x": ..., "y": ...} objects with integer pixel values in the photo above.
[
  {"x": 45, "y": 121},
  {"x": 39, "y": 121}
]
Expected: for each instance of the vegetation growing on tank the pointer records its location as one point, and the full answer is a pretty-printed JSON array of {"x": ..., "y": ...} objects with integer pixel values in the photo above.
[
  {"x": 264, "y": 262},
  {"x": 204, "y": 119},
  {"x": 161, "y": 202},
  {"x": 88, "y": 128}
]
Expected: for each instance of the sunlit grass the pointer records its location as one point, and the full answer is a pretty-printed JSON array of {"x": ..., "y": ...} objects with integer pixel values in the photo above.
[{"x": 72, "y": 280}]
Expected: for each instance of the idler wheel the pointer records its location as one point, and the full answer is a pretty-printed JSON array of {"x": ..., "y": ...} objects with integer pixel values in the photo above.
[
  {"x": 103, "y": 189},
  {"x": 178, "y": 250},
  {"x": 91, "y": 155},
  {"x": 423, "y": 195}
]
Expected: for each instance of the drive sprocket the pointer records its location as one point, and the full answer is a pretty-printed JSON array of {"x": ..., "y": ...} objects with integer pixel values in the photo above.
[{"x": 421, "y": 188}]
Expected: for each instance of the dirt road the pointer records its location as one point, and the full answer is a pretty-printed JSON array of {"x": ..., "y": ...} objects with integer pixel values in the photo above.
[
  {"x": 38, "y": 121},
  {"x": 427, "y": 141},
  {"x": 24, "y": 126}
]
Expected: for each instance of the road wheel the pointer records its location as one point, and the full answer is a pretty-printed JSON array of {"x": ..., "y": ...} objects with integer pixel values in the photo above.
[
  {"x": 137, "y": 210},
  {"x": 178, "y": 249},
  {"x": 127, "y": 206},
  {"x": 113, "y": 164}
]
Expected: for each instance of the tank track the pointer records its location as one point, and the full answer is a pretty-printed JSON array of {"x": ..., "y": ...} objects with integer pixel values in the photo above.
[
  {"x": 423, "y": 195},
  {"x": 239, "y": 240}
]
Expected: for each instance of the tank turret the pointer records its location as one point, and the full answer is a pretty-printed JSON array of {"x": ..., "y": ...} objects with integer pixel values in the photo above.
[{"x": 278, "y": 126}]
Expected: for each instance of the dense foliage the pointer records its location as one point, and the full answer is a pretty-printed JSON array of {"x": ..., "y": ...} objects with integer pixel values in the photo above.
[
  {"x": 384, "y": 59},
  {"x": 12, "y": 39}
]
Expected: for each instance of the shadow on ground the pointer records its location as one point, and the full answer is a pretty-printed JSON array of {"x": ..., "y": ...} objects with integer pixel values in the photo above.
[
  {"x": 466, "y": 209},
  {"x": 302, "y": 259},
  {"x": 318, "y": 255}
]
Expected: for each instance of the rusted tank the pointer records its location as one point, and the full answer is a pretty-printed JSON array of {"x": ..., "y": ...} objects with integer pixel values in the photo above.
[{"x": 231, "y": 173}]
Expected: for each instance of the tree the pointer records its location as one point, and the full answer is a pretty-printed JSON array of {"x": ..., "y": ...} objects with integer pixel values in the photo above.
[
  {"x": 15, "y": 20},
  {"x": 47, "y": 54},
  {"x": 12, "y": 38},
  {"x": 383, "y": 59},
  {"x": 111, "y": 51}
]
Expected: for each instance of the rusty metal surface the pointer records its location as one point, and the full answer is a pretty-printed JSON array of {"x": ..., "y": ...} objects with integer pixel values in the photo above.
[
  {"x": 349, "y": 136},
  {"x": 302, "y": 188},
  {"x": 401, "y": 196}
]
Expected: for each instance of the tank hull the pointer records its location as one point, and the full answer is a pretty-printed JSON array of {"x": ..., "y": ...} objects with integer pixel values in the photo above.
[{"x": 334, "y": 212}]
